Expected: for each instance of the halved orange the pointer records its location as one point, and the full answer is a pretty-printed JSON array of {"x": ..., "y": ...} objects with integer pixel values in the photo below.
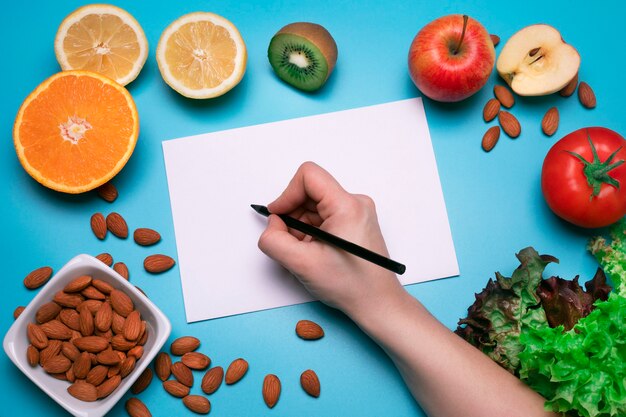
[{"x": 76, "y": 131}]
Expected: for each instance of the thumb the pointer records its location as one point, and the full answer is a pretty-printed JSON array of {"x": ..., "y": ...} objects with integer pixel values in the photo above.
[{"x": 280, "y": 245}]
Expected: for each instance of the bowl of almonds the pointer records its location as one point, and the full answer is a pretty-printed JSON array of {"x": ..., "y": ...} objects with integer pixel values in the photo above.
[{"x": 86, "y": 337}]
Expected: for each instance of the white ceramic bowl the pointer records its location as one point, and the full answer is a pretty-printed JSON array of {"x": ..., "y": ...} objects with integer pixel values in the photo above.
[{"x": 16, "y": 340}]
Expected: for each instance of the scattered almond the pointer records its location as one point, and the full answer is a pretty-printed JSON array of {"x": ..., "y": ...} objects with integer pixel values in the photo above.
[
  {"x": 117, "y": 225},
  {"x": 491, "y": 110},
  {"x": 38, "y": 277},
  {"x": 236, "y": 370},
  {"x": 135, "y": 408},
  {"x": 107, "y": 387},
  {"x": 212, "y": 380},
  {"x": 586, "y": 95},
  {"x": 182, "y": 373},
  {"x": 122, "y": 269},
  {"x": 107, "y": 192},
  {"x": 156, "y": 264},
  {"x": 105, "y": 258},
  {"x": 163, "y": 366},
  {"x": 504, "y": 96},
  {"x": 271, "y": 390},
  {"x": 550, "y": 122},
  {"x": 309, "y": 330},
  {"x": 491, "y": 138},
  {"x": 99, "y": 225},
  {"x": 78, "y": 284},
  {"x": 84, "y": 391},
  {"x": 18, "y": 310},
  {"x": 32, "y": 355},
  {"x": 196, "y": 360},
  {"x": 197, "y": 403},
  {"x": 47, "y": 312},
  {"x": 121, "y": 303},
  {"x": 495, "y": 39},
  {"x": 184, "y": 344},
  {"x": 569, "y": 89},
  {"x": 146, "y": 237},
  {"x": 310, "y": 383},
  {"x": 142, "y": 382},
  {"x": 175, "y": 388},
  {"x": 509, "y": 124}
]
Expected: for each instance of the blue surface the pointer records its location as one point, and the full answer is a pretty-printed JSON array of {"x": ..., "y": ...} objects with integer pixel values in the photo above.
[{"x": 494, "y": 200}]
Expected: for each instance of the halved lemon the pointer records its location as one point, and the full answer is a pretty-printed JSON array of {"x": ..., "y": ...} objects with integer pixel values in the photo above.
[
  {"x": 103, "y": 39},
  {"x": 201, "y": 55},
  {"x": 76, "y": 131}
]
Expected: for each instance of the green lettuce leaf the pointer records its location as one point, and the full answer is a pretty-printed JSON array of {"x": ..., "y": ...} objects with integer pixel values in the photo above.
[{"x": 612, "y": 255}]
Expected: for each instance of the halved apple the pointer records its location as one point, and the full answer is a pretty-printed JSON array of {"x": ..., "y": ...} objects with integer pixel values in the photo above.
[{"x": 536, "y": 61}]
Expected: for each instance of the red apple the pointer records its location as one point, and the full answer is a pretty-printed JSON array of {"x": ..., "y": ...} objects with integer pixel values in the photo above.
[{"x": 451, "y": 58}]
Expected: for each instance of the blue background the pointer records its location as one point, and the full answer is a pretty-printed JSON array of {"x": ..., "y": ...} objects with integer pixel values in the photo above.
[{"x": 494, "y": 200}]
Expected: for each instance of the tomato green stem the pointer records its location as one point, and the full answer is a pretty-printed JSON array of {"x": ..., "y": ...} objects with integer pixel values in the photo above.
[{"x": 596, "y": 171}]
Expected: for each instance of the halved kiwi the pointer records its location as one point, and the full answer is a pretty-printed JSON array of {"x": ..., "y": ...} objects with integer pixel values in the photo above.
[{"x": 303, "y": 55}]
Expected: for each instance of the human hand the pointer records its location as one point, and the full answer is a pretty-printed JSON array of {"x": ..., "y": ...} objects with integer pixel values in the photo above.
[{"x": 335, "y": 277}]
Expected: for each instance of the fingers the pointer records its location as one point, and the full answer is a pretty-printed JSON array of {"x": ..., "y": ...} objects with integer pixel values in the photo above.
[
  {"x": 311, "y": 187},
  {"x": 277, "y": 243}
]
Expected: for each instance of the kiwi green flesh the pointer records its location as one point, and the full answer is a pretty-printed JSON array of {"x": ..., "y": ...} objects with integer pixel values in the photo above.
[{"x": 297, "y": 61}]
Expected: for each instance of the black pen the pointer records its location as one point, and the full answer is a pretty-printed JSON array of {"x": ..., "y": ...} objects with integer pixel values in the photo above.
[{"x": 336, "y": 241}]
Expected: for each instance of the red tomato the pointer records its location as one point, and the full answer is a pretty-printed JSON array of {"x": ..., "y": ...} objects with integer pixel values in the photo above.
[{"x": 584, "y": 186}]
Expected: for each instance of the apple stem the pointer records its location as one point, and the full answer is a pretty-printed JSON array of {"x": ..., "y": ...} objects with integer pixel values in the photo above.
[{"x": 456, "y": 51}]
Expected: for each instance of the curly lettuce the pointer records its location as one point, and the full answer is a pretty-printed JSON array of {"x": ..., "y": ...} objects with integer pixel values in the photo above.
[{"x": 612, "y": 255}]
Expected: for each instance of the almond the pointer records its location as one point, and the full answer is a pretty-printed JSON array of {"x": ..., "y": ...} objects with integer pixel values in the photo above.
[
  {"x": 491, "y": 110},
  {"x": 132, "y": 326},
  {"x": 121, "y": 303},
  {"x": 119, "y": 342},
  {"x": 127, "y": 366},
  {"x": 107, "y": 192},
  {"x": 143, "y": 333},
  {"x": 137, "y": 352},
  {"x": 68, "y": 300},
  {"x": 236, "y": 370},
  {"x": 86, "y": 323},
  {"x": 84, "y": 391},
  {"x": 47, "y": 312},
  {"x": 509, "y": 124},
  {"x": 38, "y": 277},
  {"x": 92, "y": 305},
  {"x": 104, "y": 317},
  {"x": 271, "y": 390},
  {"x": 97, "y": 375},
  {"x": 504, "y": 96},
  {"x": 70, "y": 318},
  {"x": 183, "y": 345},
  {"x": 99, "y": 226},
  {"x": 113, "y": 370},
  {"x": 36, "y": 336},
  {"x": 108, "y": 357},
  {"x": 92, "y": 293},
  {"x": 197, "y": 403},
  {"x": 61, "y": 377},
  {"x": 92, "y": 344},
  {"x": 78, "y": 284},
  {"x": 102, "y": 286},
  {"x": 105, "y": 258},
  {"x": 142, "y": 382},
  {"x": 146, "y": 237},
  {"x": 212, "y": 380},
  {"x": 163, "y": 365},
  {"x": 107, "y": 387},
  {"x": 135, "y": 408},
  {"x": 117, "y": 324},
  {"x": 52, "y": 350},
  {"x": 156, "y": 264},
  {"x": 18, "y": 310},
  {"x": 308, "y": 330},
  {"x": 54, "y": 329},
  {"x": 569, "y": 89},
  {"x": 122, "y": 269},
  {"x": 550, "y": 122},
  {"x": 182, "y": 373},
  {"x": 70, "y": 351},
  {"x": 491, "y": 138},
  {"x": 82, "y": 366},
  {"x": 69, "y": 375},
  {"x": 586, "y": 95},
  {"x": 310, "y": 383},
  {"x": 117, "y": 225},
  {"x": 175, "y": 388},
  {"x": 196, "y": 360},
  {"x": 32, "y": 355},
  {"x": 57, "y": 364},
  {"x": 495, "y": 39}
]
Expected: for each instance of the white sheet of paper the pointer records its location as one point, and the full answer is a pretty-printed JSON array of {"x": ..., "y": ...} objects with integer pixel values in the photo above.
[{"x": 383, "y": 151}]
